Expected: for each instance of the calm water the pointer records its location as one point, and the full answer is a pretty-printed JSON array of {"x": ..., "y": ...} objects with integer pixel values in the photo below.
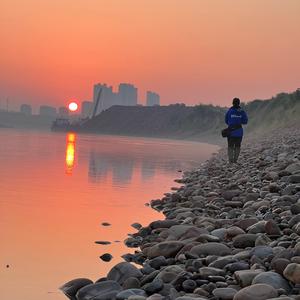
[{"x": 57, "y": 189}]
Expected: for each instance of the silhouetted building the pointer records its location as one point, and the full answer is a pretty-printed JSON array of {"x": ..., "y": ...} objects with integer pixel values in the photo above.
[
  {"x": 47, "y": 111},
  {"x": 108, "y": 97},
  {"x": 86, "y": 108},
  {"x": 152, "y": 99},
  {"x": 63, "y": 112},
  {"x": 26, "y": 109},
  {"x": 127, "y": 94}
]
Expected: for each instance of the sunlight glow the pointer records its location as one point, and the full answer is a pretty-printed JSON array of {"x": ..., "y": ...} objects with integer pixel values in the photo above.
[
  {"x": 73, "y": 106},
  {"x": 70, "y": 152}
]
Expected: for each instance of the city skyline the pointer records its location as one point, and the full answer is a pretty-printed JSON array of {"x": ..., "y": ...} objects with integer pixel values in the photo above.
[
  {"x": 126, "y": 95},
  {"x": 192, "y": 52}
]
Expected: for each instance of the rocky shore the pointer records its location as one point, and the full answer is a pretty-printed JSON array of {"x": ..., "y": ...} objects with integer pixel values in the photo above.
[{"x": 230, "y": 232}]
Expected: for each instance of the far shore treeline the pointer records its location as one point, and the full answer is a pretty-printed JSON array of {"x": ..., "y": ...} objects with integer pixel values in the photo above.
[{"x": 201, "y": 122}]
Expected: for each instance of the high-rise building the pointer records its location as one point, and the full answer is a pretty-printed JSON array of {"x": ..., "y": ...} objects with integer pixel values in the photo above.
[
  {"x": 152, "y": 99},
  {"x": 63, "y": 112},
  {"x": 86, "y": 108},
  {"x": 127, "y": 94},
  {"x": 26, "y": 109},
  {"x": 108, "y": 97},
  {"x": 47, "y": 111}
]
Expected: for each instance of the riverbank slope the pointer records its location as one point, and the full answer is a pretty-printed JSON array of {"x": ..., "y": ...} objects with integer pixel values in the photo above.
[{"x": 199, "y": 123}]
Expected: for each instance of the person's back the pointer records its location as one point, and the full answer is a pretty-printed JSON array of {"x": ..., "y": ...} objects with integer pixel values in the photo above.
[{"x": 234, "y": 118}]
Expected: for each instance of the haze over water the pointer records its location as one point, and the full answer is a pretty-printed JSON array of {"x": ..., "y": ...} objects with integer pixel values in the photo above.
[{"x": 57, "y": 189}]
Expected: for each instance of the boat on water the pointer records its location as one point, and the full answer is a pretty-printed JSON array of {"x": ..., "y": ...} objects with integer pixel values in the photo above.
[
  {"x": 64, "y": 124},
  {"x": 60, "y": 123}
]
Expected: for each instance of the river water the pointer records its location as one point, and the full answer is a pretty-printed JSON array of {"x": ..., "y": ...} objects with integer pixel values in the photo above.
[{"x": 58, "y": 188}]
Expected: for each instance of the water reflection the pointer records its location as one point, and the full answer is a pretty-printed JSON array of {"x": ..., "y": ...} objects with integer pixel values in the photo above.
[
  {"x": 98, "y": 167},
  {"x": 102, "y": 164},
  {"x": 122, "y": 165},
  {"x": 49, "y": 242},
  {"x": 70, "y": 153}
]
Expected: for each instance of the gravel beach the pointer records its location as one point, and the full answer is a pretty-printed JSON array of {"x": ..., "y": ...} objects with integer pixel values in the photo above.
[{"x": 231, "y": 231}]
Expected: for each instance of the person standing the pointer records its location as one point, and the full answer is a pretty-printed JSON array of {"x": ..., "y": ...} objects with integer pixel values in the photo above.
[{"x": 234, "y": 118}]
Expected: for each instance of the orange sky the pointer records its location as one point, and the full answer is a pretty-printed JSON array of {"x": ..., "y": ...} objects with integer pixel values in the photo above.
[{"x": 187, "y": 50}]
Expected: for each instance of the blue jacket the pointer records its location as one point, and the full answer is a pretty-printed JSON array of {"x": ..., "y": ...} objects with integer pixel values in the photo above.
[{"x": 236, "y": 116}]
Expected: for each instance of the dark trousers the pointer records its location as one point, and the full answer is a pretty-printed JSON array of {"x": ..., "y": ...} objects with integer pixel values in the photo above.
[
  {"x": 234, "y": 142},
  {"x": 234, "y": 148}
]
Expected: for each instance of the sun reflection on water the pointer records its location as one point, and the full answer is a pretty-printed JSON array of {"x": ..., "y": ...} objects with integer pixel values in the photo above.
[{"x": 70, "y": 152}]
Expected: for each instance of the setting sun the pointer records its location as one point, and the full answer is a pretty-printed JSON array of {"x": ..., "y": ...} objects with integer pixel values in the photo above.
[{"x": 73, "y": 106}]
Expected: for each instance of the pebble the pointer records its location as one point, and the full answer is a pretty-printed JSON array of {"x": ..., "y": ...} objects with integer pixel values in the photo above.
[
  {"x": 106, "y": 257},
  {"x": 105, "y": 224}
]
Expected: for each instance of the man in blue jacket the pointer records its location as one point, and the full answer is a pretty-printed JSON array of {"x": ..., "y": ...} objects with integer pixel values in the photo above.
[{"x": 234, "y": 118}]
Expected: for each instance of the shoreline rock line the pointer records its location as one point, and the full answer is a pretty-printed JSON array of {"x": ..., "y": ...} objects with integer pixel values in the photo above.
[{"x": 231, "y": 232}]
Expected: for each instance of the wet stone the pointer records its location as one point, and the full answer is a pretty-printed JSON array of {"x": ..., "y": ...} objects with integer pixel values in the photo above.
[
  {"x": 256, "y": 292},
  {"x": 154, "y": 286},
  {"x": 70, "y": 288},
  {"x": 100, "y": 291},
  {"x": 106, "y": 257},
  {"x": 224, "y": 293},
  {"x": 123, "y": 271}
]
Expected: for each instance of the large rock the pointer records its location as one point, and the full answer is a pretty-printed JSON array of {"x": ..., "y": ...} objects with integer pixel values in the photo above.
[
  {"x": 228, "y": 195},
  {"x": 221, "y": 262},
  {"x": 258, "y": 227},
  {"x": 162, "y": 224},
  {"x": 224, "y": 293},
  {"x": 166, "y": 249},
  {"x": 219, "y": 233},
  {"x": 169, "y": 273},
  {"x": 272, "y": 228},
  {"x": 292, "y": 272},
  {"x": 295, "y": 208},
  {"x": 192, "y": 232},
  {"x": 176, "y": 231},
  {"x": 293, "y": 168},
  {"x": 273, "y": 279},
  {"x": 210, "y": 249},
  {"x": 205, "y": 272},
  {"x": 233, "y": 231},
  {"x": 70, "y": 288},
  {"x": 279, "y": 264},
  {"x": 256, "y": 292},
  {"x": 245, "y": 223},
  {"x": 262, "y": 251},
  {"x": 245, "y": 277},
  {"x": 155, "y": 286},
  {"x": 294, "y": 178},
  {"x": 99, "y": 291},
  {"x": 130, "y": 292},
  {"x": 244, "y": 240},
  {"x": 123, "y": 271}
]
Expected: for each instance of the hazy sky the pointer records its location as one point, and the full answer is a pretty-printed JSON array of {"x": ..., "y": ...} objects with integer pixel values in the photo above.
[{"x": 188, "y": 51}]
